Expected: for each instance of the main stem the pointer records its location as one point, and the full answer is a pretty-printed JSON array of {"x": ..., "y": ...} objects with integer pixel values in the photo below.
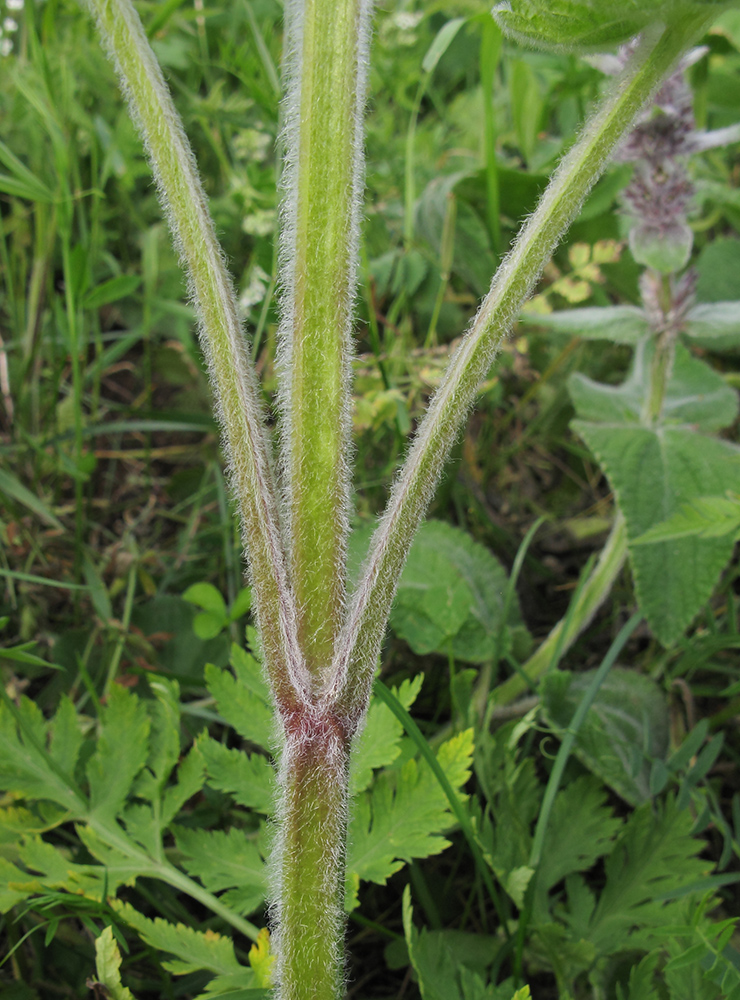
[{"x": 325, "y": 64}]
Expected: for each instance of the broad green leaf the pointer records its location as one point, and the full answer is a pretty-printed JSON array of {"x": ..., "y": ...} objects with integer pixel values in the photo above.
[
  {"x": 653, "y": 855},
  {"x": 620, "y": 324},
  {"x": 241, "y": 605},
  {"x": 379, "y": 742},
  {"x": 225, "y": 860},
  {"x": 707, "y": 517},
  {"x": 107, "y": 965},
  {"x": 585, "y": 25},
  {"x": 121, "y": 752},
  {"x": 404, "y": 815},
  {"x": 695, "y": 394},
  {"x": 665, "y": 247},
  {"x": 450, "y": 597},
  {"x": 248, "y": 778},
  {"x": 244, "y": 699},
  {"x": 626, "y": 728},
  {"x": 654, "y": 472},
  {"x": 193, "y": 950},
  {"x": 715, "y": 326}
]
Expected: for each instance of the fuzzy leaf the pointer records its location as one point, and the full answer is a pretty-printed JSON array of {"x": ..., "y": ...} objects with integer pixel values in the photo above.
[
  {"x": 121, "y": 751},
  {"x": 620, "y": 324},
  {"x": 695, "y": 394},
  {"x": 379, "y": 742},
  {"x": 584, "y": 25},
  {"x": 244, "y": 699},
  {"x": 707, "y": 517},
  {"x": 107, "y": 965},
  {"x": 225, "y": 860},
  {"x": 626, "y": 728},
  {"x": 672, "y": 579},
  {"x": 193, "y": 951},
  {"x": 248, "y": 778},
  {"x": 715, "y": 325},
  {"x": 450, "y": 596},
  {"x": 405, "y": 813}
]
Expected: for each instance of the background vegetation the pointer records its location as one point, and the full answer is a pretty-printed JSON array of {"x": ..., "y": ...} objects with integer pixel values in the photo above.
[{"x": 122, "y": 578}]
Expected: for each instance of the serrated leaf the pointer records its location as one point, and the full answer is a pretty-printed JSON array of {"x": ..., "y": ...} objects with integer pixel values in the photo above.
[
  {"x": 9, "y": 874},
  {"x": 121, "y": 751},
  {"x": 581, "y": 829},
  {"x": 248, "y": 778},
  {"x": 625, "y": 729},
  {"x": 379, "y": 742},
  {"x": 107, "y": 965},
  {"x": 640, "y": 985},
  {"x": 65, "y": 736},
  {"x": 619, "y": 324},
  {"x": 193, "y": 950},
  {"x": 673, "y": 579},
  {"x": 243, "y": 699},
  {"x": 695, "y": 394},
  {"x": 225, "y": 860},
  {"x": 450, "y": 597},
  {"x": 705, "y": 517},
  {"x": 190, "y": 779},
  {"x": 405, "y": 814},
  {"x": 25, "y": 766},
  {"x": 164, "y": 742}
]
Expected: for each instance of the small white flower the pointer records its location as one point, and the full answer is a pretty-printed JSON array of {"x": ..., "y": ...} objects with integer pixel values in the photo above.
[
  {"x": 10, "y": 25},
  {"x": 14, "y": 4},
  {"x": 6, "y": 47}
]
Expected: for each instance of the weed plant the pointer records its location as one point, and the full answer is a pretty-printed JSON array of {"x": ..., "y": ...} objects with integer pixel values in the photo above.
[{"x": 144, "y": 832}]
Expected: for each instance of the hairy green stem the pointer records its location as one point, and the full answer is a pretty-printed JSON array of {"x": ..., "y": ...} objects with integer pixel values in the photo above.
[
  {"x": 359, "y": 643},
  {"x": 326, "y": 58},
  {"x": 222, "y": 337},
  {"x": 308, "y": 906}
]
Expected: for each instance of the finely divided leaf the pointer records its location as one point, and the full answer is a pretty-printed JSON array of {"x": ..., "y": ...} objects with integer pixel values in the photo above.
[
  {"x": 26, "y": 767},
  {"x": 379, "y": 742},
  {"x": 655, "y": 855},
  {"x": 244, "y": 699},
  {"x": 121, "y": 752},
  {"x": 107, "y": 965},
  {"x": 193, "y": 951},
  {"x": 248, "y": 778},
  {"x": 225, "y": 860},
  {"x": 404, "y": 814},
  {"x": 581, "y": 829}
]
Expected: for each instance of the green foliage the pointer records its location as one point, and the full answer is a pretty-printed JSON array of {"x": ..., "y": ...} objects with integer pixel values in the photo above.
[{"x": 584, "y": 25}]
